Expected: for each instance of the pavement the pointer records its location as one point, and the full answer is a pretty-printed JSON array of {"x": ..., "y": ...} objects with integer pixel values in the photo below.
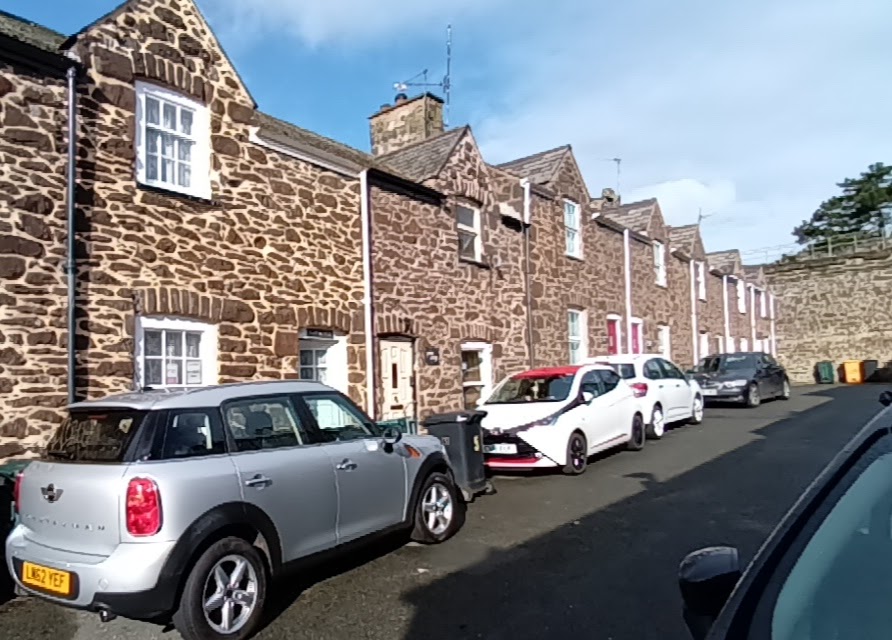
[{"x": 588, "y": 557}]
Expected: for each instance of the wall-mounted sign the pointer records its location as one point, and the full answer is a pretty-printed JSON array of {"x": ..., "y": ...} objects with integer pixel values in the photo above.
[
  {"x": 432, "y": 356},
  {"x": 320, "y": 333}
]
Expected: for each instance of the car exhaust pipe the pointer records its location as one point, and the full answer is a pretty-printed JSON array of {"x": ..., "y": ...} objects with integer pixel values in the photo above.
[{"x": 106, "y": 616}]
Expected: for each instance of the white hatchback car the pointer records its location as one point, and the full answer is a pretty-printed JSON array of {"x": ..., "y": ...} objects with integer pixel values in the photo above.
[
  {"x": 559, "y": 417},
  {"x": 667, "y": 394}
]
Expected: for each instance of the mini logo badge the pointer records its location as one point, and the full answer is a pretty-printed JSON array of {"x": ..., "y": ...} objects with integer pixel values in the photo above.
[{"x": 50, "y": 493}]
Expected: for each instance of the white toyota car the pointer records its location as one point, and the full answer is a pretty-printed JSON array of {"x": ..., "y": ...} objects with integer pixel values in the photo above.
[
  {"x": 666, "y": 393},
  {"x": 559, "y": 417}
]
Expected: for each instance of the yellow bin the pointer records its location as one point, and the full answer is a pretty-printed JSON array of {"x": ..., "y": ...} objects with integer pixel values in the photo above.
[{"x": 854, "y": 371}]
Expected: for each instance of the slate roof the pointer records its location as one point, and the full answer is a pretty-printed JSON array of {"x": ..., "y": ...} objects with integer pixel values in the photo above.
[
  {"x": 30, "y": 33},
  {"x": 424, "y": 159},
  {"x": 724, "y": 261},
  {"x": 754, "y": 273},
  {"x": 541, "y": 168},
  {"x": 684, "y": 238},
  {"x": 635, "y": 215}
]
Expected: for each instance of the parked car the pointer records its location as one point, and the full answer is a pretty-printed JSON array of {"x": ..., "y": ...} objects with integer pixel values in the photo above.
[
  {"x": 747, "y": 377},
  {"x": 824, "y": 570},
  {"x": 667, "y": 395},
  {"x": 559, "y": 417},
  {"x": 184, "y": 505}
]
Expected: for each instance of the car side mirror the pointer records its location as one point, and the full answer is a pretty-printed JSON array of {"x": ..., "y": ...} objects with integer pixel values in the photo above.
[
  {"x": 392, "y": 435},
  {"x": 587, "y": 397},
  {"x": 706, "y": 578},
  {"x": 886, "y": 398}
]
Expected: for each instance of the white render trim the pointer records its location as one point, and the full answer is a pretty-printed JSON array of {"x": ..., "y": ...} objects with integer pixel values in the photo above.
[
  {"x": 365, "y": 215},
  {"x": 695, "y": 332},
  {"x": 725, "y": 311},
  {"x": 753, "y": 313},
  {"x": 627, "y": 272},
  {"x": 527, "y": 200},
  {"x": 200, "y": 162},
  {"x": 486, "y": 367},
  {"x": 208, "y": 348},
  {"x": 255, "y": 137},
  {"x": 772, "y": 329}
]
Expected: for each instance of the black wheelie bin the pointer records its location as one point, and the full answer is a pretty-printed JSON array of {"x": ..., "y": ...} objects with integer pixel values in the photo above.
[{"x": 462, "y": 435}]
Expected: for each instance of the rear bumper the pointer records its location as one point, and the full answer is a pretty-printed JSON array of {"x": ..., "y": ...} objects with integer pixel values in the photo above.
[{"x": 125, "y": 583}]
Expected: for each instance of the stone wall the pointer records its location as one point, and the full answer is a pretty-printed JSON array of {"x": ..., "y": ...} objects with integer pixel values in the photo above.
[
  {"x": 276, "y": 249},
  {"x": 405, "y": 123},
  {"x": 833, "y": 309}
]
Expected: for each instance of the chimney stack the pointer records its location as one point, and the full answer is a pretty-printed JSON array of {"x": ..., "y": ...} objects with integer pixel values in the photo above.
[{"x": 406, "y": 122}]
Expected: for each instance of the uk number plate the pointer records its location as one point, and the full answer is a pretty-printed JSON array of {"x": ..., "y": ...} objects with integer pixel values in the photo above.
[
  {"x": 709, "y": 392},
  {"x": 52, "y": 580},
  {"x": 504, "y": 449}
]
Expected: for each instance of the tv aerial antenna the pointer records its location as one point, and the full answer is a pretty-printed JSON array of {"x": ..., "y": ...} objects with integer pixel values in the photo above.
[
  {"x": 445, "y": 85},
  {"x": 618, "y": 162}
]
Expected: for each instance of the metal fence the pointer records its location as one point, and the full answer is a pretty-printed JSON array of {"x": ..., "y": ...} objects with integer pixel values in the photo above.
[{"x": 840, "y": 245}]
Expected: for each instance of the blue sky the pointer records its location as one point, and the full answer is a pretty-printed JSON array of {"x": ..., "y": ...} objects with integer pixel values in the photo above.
[{"x": 749, "y": 111}]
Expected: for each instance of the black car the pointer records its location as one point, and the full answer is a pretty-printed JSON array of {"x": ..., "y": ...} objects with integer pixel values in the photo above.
[
  {"x": 825, "y": 572},
  {"x": 747, "y": 377}
]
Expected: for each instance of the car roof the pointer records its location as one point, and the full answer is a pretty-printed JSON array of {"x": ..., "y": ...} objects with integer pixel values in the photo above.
[
  {"x": 620, "y": 358},
  {"x": 198, "y": 396}
]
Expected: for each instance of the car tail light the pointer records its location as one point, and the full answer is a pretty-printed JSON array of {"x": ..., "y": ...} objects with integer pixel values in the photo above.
[
  {"x": 143, "y": 507},
  {"x": 17, "y": 490},
  {"x": 639, "y": 389}
]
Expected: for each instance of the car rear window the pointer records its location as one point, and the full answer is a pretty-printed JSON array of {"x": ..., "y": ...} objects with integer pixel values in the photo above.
[
  {"x": 95, "y": 436},
  {"x": 624, "y": 369}
]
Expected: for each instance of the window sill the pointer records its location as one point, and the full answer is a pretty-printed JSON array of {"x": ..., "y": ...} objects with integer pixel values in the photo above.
[
  {"x": 474, "y": 263},
  {"x": 663, "y": 285},
  {"x": 180, "y": 195},
  {"x": 578, "y": 258}
]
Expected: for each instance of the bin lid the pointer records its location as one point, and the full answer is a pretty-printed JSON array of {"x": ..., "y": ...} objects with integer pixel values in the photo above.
[
  {"x": 10, "y": 469},
  {"x": 470, "y": 416}
]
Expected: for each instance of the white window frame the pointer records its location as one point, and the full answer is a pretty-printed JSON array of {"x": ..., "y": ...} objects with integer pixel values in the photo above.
[
  {"x": 763, "y": 303},
  {"x": 572, "y": 229},
  {"x": 741, "y": 296},
  {"x": 199, "y": 162},
  {"x": 664, "y": 339},
  {"x": 476, "y": 230},
  {"x": 636, "y": 322},
  {"x": 580, "y": 340},
  {"x": 207, "y": 354},
  {"x": 485, "y": 384},
  {"x": 661, "y": 276},
  {"x": 701, "y": 280},
  {"x": 336, "y": 363}
]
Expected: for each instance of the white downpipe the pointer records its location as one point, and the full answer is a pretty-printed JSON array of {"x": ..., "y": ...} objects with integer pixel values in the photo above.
[
  {"x": 365, "y": 215},
  {"x": 773, "y": 335},
  {"x": 695, "y": 330},
  {"x": 725, "y": 310},
  {"x": 627, "y": 268},
  {"x": 752, "y": 311}
]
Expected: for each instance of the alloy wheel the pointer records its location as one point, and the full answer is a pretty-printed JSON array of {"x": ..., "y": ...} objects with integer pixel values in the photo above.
[
  {"x": 658, "y": 423},
  {"x": 578, "y": 454},
  {"x": 230, "y": 594},
  {"x": 698, "y": 409},
  {"x": 437, "y": 508}
]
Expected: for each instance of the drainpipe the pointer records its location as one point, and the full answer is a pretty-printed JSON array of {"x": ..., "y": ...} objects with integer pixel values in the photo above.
[
  {"x": 627, "y": 268},
  {"x": 771, "y": 318},
  {"x": 71, "y": 253},
  {"x": 752, "y": 315},
  {"x": 367, "y": 300},
  {"x": 725, "y": 310},
  {"x": 528, "y": 276},
  {"x": 695, "y": 333}
]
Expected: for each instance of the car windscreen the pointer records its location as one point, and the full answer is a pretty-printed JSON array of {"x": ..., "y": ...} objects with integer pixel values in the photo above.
[
  {"x": 539, "y": 388},
  {"x": 98, "y": 435},
  {"x": 728, "y": 362}
]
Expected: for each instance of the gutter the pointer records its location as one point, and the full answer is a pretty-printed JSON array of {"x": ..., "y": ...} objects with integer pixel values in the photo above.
[
  {"x": 725, "y": 310},
  {"x": 71, "y": 253},
  {"x": 753, "y": 314},
  {"x": 695, "y": 333},
  {"x": 773, "y": 334},
  {"x": 367, "y": 300},
  {"x": 627, "y": 268},
  {"x": 528, "y": 276}
]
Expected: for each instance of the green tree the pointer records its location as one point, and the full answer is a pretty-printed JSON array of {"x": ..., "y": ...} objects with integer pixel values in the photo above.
[{"x": 861, "y": 208}]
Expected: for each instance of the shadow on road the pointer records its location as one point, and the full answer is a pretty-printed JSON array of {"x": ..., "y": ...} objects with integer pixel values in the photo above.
[{"x": 552, "y": 586}]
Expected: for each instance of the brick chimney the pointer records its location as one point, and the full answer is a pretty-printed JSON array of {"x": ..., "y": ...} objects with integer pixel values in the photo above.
[{"x": 405, "y": 122}]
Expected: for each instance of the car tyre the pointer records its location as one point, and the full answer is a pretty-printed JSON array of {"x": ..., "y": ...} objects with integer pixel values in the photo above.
[
  {"x": 439, "y": 512},
  {"x": 639, "y": 434},
  {"x": 577, "y": 454},
  {"x": 697, "y": 410},
  {"x": 785, "y": 390},
  {"x": 657, "y": 427},
  {"x": 209, "y": 592},
  {"x": 752, "y": 395}
]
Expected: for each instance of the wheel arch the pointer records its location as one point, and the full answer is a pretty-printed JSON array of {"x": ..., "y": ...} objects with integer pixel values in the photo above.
[{"x": 435, "y": 462}]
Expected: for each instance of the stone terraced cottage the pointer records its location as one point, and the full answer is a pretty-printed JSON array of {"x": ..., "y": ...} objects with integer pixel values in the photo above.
[{"x": 215, "y": 243}]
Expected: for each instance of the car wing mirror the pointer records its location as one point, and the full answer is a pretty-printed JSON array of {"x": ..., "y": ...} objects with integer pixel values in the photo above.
[
  {"x": 391, "y": 436},
  {"x": 587, "y": 397},
  {"x": 707, "y": 578},
  {"x": 886, "y": 398}
]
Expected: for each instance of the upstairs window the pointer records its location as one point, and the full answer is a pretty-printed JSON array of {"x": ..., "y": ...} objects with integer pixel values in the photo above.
[
  {"x": 172, "y": 141},
  {"x": 660, "y": 263},
  {"x": 572, "y": 229},
  {"x": 701, "y": 280},
  {"x": 763, "y": 304},
  {"x": 470, "y": 241},
  {"x": 741, "y": 296}
]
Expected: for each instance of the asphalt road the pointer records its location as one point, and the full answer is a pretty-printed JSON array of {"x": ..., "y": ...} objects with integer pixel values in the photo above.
[{"x": 593, "y": 556}]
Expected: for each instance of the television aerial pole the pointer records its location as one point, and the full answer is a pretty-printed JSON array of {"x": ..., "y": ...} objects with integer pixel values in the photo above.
[{"x": 445, "y": 85}]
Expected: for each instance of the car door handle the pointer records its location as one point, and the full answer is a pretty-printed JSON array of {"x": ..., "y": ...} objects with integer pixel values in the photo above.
[
  {"x": 258, "y": 481},
  {"x": 346, "y": 465}
]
